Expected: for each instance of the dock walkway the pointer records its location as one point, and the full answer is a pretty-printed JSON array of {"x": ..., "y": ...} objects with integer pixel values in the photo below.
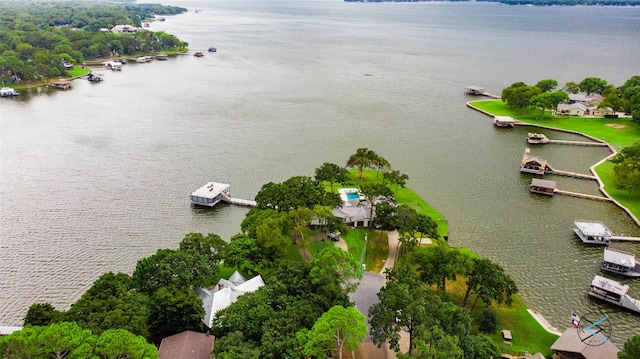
[
  {"x": 577, "y": 143},
  {"x": 582, "y": 195},
  {"x": 569, "y": 174},
  {"x": 623, "y": 238},
  {"x": 238, "y": 201}
]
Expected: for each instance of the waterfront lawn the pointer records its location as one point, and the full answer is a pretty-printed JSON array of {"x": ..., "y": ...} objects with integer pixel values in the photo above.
[
  {"x": 527, "y": 333},
  {"x": 627, "y": 199},
  {"x": 621, "y": 132},
  {"x": 404, "y": 196}
]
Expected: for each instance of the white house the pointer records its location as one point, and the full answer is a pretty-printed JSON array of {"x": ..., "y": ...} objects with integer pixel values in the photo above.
[
  {"x": 355, "y": 211},
  {"x": 224, "y": 293}
]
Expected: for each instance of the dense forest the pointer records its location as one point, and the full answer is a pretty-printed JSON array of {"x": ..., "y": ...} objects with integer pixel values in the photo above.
[
  {"x": 534, "y": 2},
  {"x": 37, "y": 38}
]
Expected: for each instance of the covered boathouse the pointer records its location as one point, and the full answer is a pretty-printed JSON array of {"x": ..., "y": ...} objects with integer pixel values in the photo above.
[
  {"x": 541, "y": 186},
  {"x": 210, "y": 194},
  {"x": 504, "y": 121}
]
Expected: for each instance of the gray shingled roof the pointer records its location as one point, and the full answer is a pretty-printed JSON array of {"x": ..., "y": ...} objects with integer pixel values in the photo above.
[{"x": 592, "y": 348}]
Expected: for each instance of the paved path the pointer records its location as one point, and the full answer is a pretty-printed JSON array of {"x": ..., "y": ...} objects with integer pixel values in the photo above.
[{"x": 394, "y": 243}]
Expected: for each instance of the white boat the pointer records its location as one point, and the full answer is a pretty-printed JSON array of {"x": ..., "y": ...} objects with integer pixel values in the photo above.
[
  {"x": 210, "y": 194},
  {"x": 620, "y": 262},
  {"x": 113, "y": 65},
  {"x": 614, "y": 293},
  {"x": 592, "y": 232},
  {"x": 8, "y": 92}
]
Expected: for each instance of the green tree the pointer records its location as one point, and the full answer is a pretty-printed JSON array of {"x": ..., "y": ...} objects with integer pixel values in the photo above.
[
  {"x": 300, "y": 191},
  {"x": 437, "y": 264},
  {"x": 121, "y": 344},
  {"x": 547, "y": 85},
  {"x": 395, "y": 178},
  {"x": 42, "y": 314},
  {"x": 631, "y": 348},
  {"x": 519, "y": 95},
  {"x": 235, "y": 345},
  {"x": 210, "y": 246},
  {"x": 246, "y": 315},
  {"x": 403, "y": 305},
  {"x": 548, "y": 100},
  {"x": 336, "y": 329},
  {"x": 332, "y": 173},
  {"x": 273, "y": 235},
  {"x": 488, "y": 281},
  {"x": 592, "y": 85},
  {"x": 301, "y": 218},
  {"x": 66, "y": 340},
  {"x": 244, "y": 254},
  {"x": 376, "y": 193},
  {"x": 335, "y": 270},
  {"x": 111, "y": 303},
  {"x": 627, "y": 168},
  {"x": 173, "y": 267},
  {"x": 571, "y": 87},
  {"x": 253, "y": 219},
  {"x": 478, "y": 347},
  {"x": 363, "y": 158},
  {"x": 174, "y": 310},
  {"x": 488, "y": 321}
]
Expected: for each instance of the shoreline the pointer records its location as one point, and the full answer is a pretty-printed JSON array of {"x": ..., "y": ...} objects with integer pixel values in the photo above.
[{"x": 592, "y": 168}]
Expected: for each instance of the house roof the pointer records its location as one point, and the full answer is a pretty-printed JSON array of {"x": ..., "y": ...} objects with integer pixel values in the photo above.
[
  {"x": 186, "y": 345},
  {"x": 505, "y": 119},
  {"x": 571, "y": 106},
  {"x": 591, "y": 348},
  {"x": 225, "y": 293},
  {"x": 353, "y": 214},
  {"x": 582, "y": 97}
]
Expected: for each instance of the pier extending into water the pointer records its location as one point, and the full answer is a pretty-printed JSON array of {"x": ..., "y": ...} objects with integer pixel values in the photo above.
[
  {"x": 582, "y": 195},
  {"x": 479, "y": 91},
  {"x": 238, "y": 201},
  {"x": 540, "y": 138},
  {"x": 623, "y": 238}
]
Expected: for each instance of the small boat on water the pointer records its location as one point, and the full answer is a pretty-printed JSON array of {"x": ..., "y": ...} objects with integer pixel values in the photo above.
[
  {"x": 199, "y": 54},
  {"x": 212, "y": 49},
  {"x": 94, "y": 77},
  {"x": 613, "y": 292},
  {"x": 620, "y": 262},
  {"x": 592, "y": 232},
  {"x": 536, "y": 138},
  {"x": 162, "y": 57},
  {"x": 8, "y": 92}
]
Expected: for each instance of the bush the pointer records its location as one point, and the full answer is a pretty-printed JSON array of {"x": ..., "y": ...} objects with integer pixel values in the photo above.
[{"x": 488, "y": 321}]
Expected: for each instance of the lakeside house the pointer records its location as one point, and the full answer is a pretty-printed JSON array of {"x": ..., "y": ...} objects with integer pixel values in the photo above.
[
  {"x": 584, "y": 105},
  {"x": 355, "y": 210},
  {"x": 224, "y": 293}
]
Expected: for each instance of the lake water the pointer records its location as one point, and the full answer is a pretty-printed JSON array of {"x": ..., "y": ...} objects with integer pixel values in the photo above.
[{"x": 95, "y": 178}]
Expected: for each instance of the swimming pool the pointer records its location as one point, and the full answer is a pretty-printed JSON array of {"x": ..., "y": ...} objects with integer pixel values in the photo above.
[{"x": 353, "y": 195}]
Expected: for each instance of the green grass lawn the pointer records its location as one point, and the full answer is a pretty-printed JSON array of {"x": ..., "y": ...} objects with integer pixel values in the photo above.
[{"x": 619, "y": 132}]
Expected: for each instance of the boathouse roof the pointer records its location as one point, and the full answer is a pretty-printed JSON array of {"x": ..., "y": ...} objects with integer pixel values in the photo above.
[
  {"x": 505, "y": 119},
  {"x": 537, "y": 182},
  {"x": 591, "y": 348},
  {"x": 621, "y": 258},
  {"x": 211, "y": 189},
  {"x": 592, "y": 228},
  {"x": 610, "y": 285}
]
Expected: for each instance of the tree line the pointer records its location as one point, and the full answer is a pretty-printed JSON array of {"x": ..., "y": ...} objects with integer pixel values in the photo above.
[
  {"x": 625, "y": 98},
  {"x": 37, "y": 38}
]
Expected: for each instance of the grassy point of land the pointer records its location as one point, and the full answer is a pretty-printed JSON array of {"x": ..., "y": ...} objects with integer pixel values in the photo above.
[
  {"x": 618, "y": 132},
  {"x": 527, "y": 333}
]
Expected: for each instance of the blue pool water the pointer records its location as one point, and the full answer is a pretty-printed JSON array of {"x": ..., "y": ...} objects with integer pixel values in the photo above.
[{"x": 353, "y": 195}]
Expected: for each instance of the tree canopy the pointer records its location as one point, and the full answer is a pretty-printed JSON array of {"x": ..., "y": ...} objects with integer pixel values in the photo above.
[{"x": 37, "y": 38}]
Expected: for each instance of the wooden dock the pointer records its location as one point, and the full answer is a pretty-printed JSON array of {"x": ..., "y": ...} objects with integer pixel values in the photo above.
[
  {"x": 569, "y": 174},
  {"x": 576, "y": 143},
  {"x": 623, "y": 238},
  {"x": 582, "y": 195},
  {"x": 479, "y": 91},
  {"x": 238, "y": 201}
]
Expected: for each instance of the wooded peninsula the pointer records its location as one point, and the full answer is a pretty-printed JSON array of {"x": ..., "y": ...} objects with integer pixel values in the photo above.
[{"x": 44, "y": 39}]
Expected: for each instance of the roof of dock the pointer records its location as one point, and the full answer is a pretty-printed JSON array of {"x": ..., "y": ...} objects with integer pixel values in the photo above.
[
  {"x": 610, "y": 285},
  {"x": 619, "y": 257},
  {"x": 211, "y": 189}
]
